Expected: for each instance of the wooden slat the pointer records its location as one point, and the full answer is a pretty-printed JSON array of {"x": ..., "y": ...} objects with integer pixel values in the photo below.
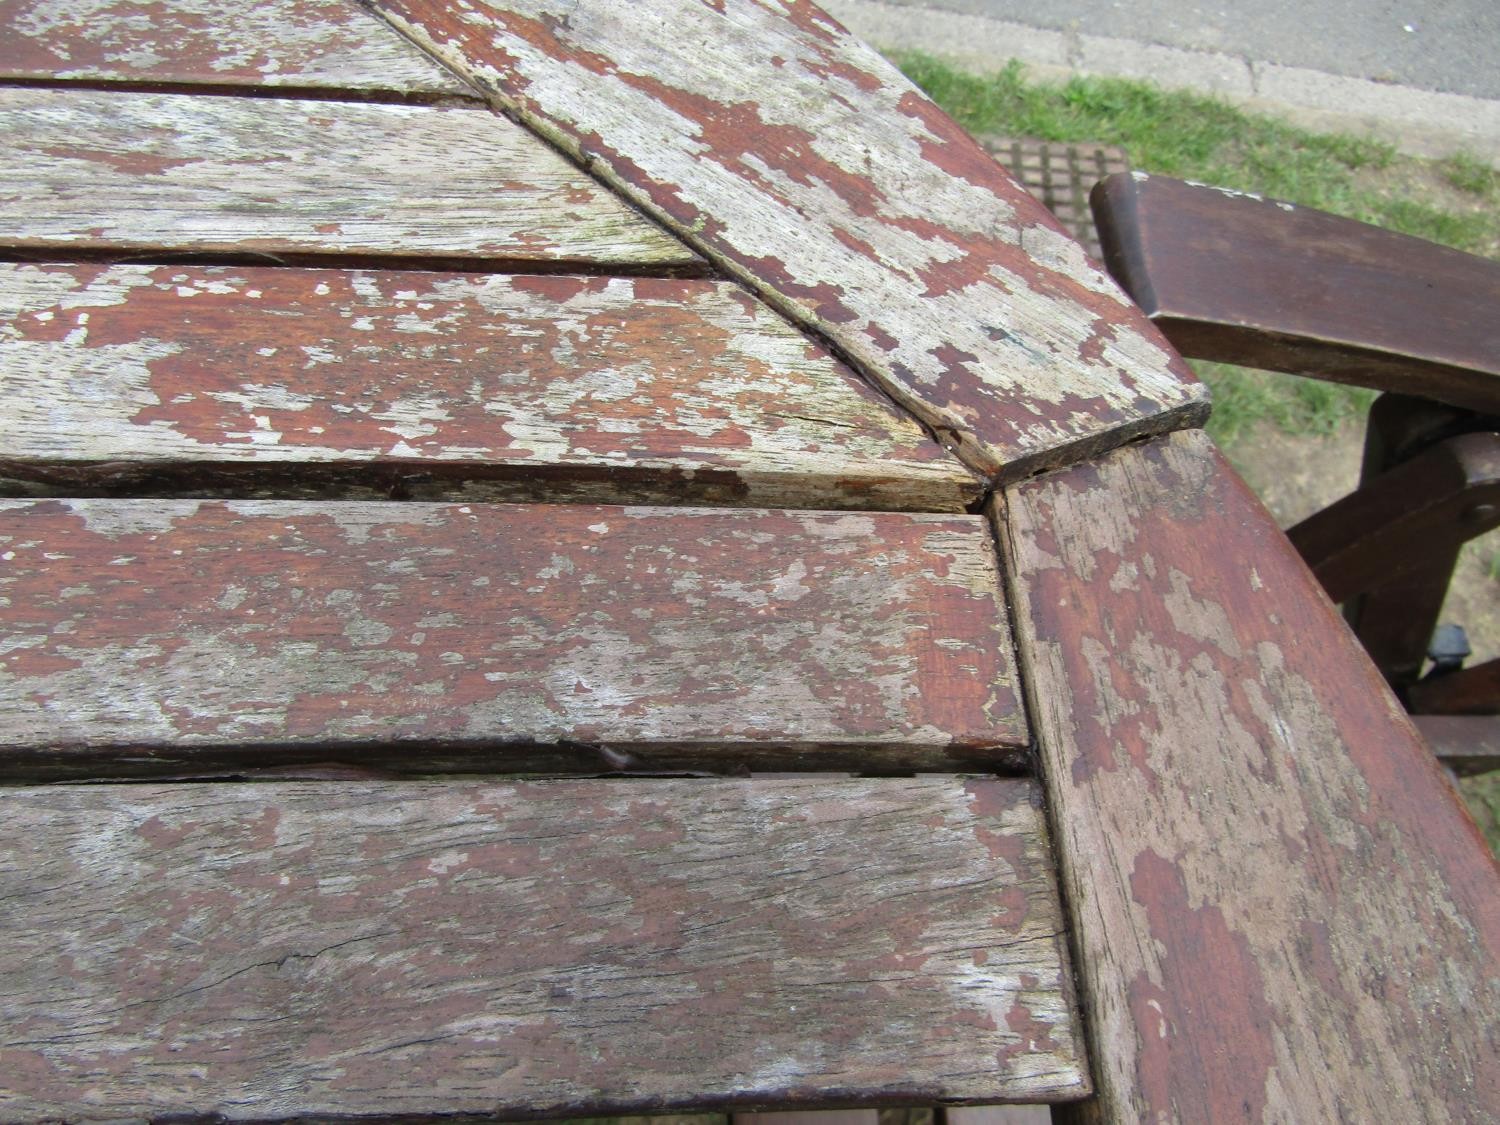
[
  {"x": 176, "y": 634},
  {"x": 203, "y": 381},
  {"x": 1282, "y": 912},
  {"x": 1405, "y": 520},
  {"x": 1469, "y": 691},
  {"x": 419, "y": 951},
  {"x": 93, "y": 170},
  {"x": 1466, "y": 744},
  {"x": 328, "y": 44},
  {"x": 796, "y": 158}
]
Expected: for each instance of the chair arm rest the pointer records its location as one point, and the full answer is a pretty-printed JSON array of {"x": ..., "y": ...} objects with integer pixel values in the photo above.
[{"x": 1240, "y": 279}]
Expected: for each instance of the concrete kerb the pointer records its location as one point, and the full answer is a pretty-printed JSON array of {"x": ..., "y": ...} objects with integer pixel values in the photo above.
[{"x": 1419, "y": 122}]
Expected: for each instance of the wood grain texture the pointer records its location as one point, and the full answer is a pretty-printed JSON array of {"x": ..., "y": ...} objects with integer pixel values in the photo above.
[
  {"x": 800, "y": 161},
  {"x": 313, "y": 44},
  {"x": 1235, "y": 278},
  {"x": 1282, "y": 913},
  {"x": 201, "y": 380},
  {"x": 173, "y": 634},
  {"x": 421, "y": 951},
  {"x": 93, "y": 170}
]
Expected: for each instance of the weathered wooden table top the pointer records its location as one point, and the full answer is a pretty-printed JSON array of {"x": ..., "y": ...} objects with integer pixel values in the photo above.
[{"x": 631, "y": 568}]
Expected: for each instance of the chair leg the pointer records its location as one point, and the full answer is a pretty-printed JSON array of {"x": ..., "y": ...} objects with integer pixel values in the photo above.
[{"x": 1395, "y": 620}]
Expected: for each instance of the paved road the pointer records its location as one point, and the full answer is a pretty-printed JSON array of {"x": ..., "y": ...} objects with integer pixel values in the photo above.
[{"x": 1446, "y": 45}]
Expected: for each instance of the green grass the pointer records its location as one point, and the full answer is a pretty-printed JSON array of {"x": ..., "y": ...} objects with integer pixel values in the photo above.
[
  {"x": 1469, "y": 174},
  {"x": 1482, "y": 795},
  {"x": 1195, "y": 137},
  {"x": 1243, "y": 399},
  {"x": 1177, "y": 134}
]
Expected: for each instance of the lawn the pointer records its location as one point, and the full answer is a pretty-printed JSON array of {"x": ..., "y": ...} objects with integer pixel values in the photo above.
[{"x": 1454, "y": 201}]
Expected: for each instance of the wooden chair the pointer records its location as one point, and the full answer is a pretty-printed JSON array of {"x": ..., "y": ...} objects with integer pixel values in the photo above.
[{"x": 1235, "y": 278}]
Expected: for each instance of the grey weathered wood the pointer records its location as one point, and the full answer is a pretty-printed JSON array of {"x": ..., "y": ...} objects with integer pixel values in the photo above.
[
  {"x": 177, "y": 635},
  {"x": 265, "y": 381},
  {"x": 802, "y": 162},
  {"x": 96, "y": 170},
  {"x": 416, "y": 951},
  {"x": 314, "y": 44},
  {"x": 1282, "y": 913}
]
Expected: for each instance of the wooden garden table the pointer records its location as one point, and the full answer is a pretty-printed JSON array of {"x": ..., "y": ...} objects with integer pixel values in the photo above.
[{"x": 686, "y": 591}]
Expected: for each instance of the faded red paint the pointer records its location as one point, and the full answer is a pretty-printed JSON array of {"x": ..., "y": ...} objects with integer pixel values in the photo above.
[
  {"x": 170, "y": 173},
  {"x": 251, "y": 369},
  {"x": 1208, "y": 975},
  {"x": 1289, "y": 915},
  {"x": 743, "y": 141},
  {"x": 273, "y": 949},
  {"x": 134, "y": 164},
  {"x": 327, "y": 43},
  {"x": 260, "y": 625},
  {"x": 840, "y": 201}
]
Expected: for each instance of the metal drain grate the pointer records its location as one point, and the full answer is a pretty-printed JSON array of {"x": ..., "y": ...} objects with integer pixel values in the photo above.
[{"x": 1060, "y": 175}]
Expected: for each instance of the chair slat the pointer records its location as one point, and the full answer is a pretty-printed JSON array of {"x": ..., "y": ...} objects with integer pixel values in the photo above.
[
  {"x": 1414, "y": 516},
  {"x": 178, "y": 635},
  {"x": 1466, "y": 744},
  {"x": 797, "y": 159},
  {"x": 1469, "y": 691},
  {"x": 328, "y": 44},
  {"x": 201, "y": 381},
  {"x": 421, "y": 951},
  {"x": 98, "y": 171},
  {"x": 1288, "y": 914}
]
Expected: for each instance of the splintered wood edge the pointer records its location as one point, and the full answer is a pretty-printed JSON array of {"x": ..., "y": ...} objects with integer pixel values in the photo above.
[
  {"x": 426, "y": 951},
  {"x": 831, "y": 221},
  {"x": 1280, "y": 909}
]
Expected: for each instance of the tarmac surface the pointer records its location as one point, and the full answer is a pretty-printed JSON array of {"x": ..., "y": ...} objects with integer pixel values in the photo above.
[
  {"x": 1424, "y": 74},
  {"x": 1445, "y": 45}
]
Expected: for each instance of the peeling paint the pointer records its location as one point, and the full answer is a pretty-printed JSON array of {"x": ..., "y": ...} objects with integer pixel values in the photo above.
[
  {"x": 841, "y": 195},
  {"x": 309, "y": 43},
  {"x": 116, "y": 170},
  {"x": 509, "y": 376},
  {"x": 254, "y": 625},
  {"x": 371, "y": 949},
  {"x": 1289, "y": 916}
]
